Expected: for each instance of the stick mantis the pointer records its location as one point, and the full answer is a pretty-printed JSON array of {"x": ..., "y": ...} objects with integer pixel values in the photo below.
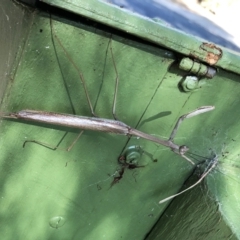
[
  {"x": 101, "y": 124},
  {"x": 117, "y": 127},
  {"x": 107, "y": 125}
]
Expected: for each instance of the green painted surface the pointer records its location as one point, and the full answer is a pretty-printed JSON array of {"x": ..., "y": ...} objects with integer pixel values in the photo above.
[
  {"x": 14, "y": 29},
  {"x": 76, "y": 185},
  {"x": 151, "y": 31},
  {"x": 194, "y": 215},
  {"x": 49, "y": 194}
]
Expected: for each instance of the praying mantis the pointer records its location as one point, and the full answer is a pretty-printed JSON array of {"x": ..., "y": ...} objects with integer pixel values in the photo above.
[
  {"x": 101, "y": 124},
  {"x": 107, "y": 125}
]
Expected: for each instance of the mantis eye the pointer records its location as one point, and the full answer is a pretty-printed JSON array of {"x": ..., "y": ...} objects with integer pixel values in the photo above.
[{"x": 183, "y": 149}]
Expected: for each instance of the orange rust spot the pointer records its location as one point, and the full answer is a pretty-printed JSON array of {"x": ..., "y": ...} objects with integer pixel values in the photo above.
[{"x": 213, "y": 53}]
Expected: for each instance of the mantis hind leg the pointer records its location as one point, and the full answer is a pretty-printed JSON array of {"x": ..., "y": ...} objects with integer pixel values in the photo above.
[{"x": 116, "y": 81}]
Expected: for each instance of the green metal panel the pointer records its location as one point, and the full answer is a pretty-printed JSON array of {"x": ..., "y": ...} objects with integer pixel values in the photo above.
[{"x": 49, "y": 194}]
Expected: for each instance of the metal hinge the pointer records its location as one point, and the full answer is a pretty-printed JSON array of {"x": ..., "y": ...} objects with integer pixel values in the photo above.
[{"x": 197, "y": 70}]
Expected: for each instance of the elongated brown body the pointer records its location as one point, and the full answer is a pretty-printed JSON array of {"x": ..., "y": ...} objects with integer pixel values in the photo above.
[
  {"x": 106, "y": 125},
  {"x": 88, "y": 123},
  {"x": 73, "y": 121}
]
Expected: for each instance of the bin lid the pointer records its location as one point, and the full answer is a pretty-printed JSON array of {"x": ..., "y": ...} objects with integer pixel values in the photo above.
[{"x": 152, "y": 31}]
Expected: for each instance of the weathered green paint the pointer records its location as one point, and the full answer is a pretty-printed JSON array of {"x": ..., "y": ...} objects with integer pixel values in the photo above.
[
  {"x": 68, "y": 195},
  {"x": 76, "y": 185},
  {"x": 224, "y": 184},
  {"x": 14, "y": 28},
  {"x": 193, "y": 216},
  {"x": 152, "y": 31}
]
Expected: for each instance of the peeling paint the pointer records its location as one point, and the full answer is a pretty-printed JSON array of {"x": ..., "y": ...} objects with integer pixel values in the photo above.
[{"x": 214, "y": 53}]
